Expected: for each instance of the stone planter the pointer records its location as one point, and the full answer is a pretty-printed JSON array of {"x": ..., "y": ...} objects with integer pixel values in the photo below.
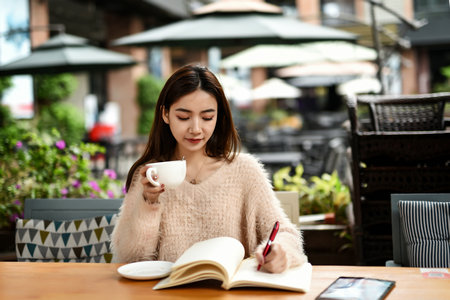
[{"x": 323, "y": 245}]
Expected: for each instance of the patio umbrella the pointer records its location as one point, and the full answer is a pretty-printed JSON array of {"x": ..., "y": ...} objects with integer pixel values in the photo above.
[
  {"x": 329, "y": 68},
  {"x": 360, "y": 86},
  {"x": 231, "y": 23},
  {"x": 275, "y": 88},
  {"x": 66, "y": 53},
  {"x": 288, "y": 55}
]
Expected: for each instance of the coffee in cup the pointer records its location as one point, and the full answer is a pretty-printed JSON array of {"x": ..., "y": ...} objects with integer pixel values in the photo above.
[{"x": 170, "y": 173}]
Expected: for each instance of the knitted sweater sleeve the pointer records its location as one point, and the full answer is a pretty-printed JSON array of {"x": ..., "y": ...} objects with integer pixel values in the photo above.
[
  {"x": 136, "y": 234},
  {"x": 267, "y": 209}
]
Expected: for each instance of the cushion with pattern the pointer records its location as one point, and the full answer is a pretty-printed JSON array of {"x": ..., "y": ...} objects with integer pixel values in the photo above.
[
  {"x": 426, "y": 229},
  {"x": 85, "y": 240}
]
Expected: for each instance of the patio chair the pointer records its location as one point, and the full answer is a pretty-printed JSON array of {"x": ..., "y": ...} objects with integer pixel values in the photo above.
[
  {"x": 406, "y": 112},
  {"x": 66, "y": 230},
  {"x": 387, "y": 162},
  {"x": 408, "y": 227}
]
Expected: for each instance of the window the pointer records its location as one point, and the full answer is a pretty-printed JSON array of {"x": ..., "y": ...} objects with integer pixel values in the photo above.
[{"x": 337, "y": 12}]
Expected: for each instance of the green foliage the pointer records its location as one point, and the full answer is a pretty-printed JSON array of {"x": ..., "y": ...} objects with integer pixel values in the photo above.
[
  {"x": 325, "y": 194},
  {"x": 67, "y": 118},
  {"x": 44, "y": 166},
  {"x": 5, "y": 83},
  {"x": 149, "y": 88},
  {"x": 443, "y": 86},
  {"x": 53, "y": 88}
]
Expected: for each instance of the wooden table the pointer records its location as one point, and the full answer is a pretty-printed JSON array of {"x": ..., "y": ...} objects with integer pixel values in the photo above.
[{"x": 100, "y": 281}]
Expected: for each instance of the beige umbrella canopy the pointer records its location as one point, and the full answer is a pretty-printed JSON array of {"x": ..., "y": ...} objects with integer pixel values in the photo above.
[
  {"x": 360, "y": 86},
  {"x": 329, "y": 68},
  {"x": 275, "y": 88},
  {"x": 288, "y": 55}
]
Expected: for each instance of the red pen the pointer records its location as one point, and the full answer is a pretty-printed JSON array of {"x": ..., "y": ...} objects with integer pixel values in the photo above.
[{"x": 270, "y": 241}]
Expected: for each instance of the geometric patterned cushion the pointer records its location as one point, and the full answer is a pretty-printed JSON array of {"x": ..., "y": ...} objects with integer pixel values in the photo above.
[
  {"x": 86, "y": 240},
  {"x": 426, "y": 228}
]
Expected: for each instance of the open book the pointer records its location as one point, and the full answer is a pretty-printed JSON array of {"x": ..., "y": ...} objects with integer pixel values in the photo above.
[{"x": 222, "y": 259}]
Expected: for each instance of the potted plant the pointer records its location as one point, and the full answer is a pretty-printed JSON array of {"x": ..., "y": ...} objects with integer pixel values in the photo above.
[{"x": 327, "y": 199}]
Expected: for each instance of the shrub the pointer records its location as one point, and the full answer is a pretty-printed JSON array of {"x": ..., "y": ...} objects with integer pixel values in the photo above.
[
  {"x": 67, "y": 118},
  {"x": 5, "y": 83},
  {"x": 44, "y": 166},
  {"x": 54, "y": 88},
  {"x": 149, "y": 88}
]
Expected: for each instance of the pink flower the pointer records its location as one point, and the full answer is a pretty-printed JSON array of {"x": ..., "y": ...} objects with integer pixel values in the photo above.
[
  {"x": 110, "y": 194},
  {"x": 64, "y": 191},
  {"x": 19, "y": 144},
  {"x": 18, "y": 186},
  {"x": 92, "y": 195},
  {"x": 110, "y": 173},
  {"x": 94, "y": 186},
  {"x": 124, "y": 190},
  {"x": 74, "y": 157},
  {"x": 76, "y": 184},
  {"x": 61, "y": 144}
]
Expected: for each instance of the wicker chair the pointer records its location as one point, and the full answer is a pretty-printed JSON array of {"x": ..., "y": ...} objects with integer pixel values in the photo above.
[
  {"x": 398, "y": 153},
  {"x": 406, "y": 112}
]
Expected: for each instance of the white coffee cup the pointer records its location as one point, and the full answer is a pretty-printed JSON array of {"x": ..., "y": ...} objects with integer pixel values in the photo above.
[{"x": 170, "y": 173}]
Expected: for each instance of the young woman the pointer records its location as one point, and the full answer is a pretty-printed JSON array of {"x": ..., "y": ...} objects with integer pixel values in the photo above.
[{"x": 225, "y": 193}]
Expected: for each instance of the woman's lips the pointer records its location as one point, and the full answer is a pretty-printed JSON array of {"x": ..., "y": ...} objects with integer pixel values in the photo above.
[{"x": 194, "y": 141}]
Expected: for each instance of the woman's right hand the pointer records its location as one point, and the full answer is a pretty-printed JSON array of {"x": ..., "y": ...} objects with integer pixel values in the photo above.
[{"x": 150, "y": 192}]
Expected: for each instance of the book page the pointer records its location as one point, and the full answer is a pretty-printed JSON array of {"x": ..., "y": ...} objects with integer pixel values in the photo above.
[
  {"x": 216, "y": 258},
  {"x": 294, "y": 279}
]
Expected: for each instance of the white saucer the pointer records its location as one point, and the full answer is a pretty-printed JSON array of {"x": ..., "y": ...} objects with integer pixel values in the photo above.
[{"x": 145, "y": 270}]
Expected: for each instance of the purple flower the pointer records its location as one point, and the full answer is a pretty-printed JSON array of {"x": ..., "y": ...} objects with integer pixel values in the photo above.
[
  {"x": 124, "y": 190},
  {"x": 76, "y": 184},
  {"x": 110, "y": 194},
  {"x": 60, "y": 144},
  {"x": 64, "y": 191},
  {"x": 13, "y": 217},
  {"x": 17, "y": 202},
  {"x": 94, "y": 186},
  {"x": 110, "y": 173},
  {"x": 92, "y": 195},
  {"x": 74, "y": 157},
  {"x": 18, "y": 186},
  {"x": 19, "y": 144}
]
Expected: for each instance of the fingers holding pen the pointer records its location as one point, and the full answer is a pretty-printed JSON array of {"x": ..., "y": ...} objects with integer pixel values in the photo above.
[{"x": 275, "y": 261}]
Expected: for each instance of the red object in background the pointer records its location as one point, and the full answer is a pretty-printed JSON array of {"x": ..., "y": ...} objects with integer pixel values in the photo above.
[{"x": 101, "y": 132}]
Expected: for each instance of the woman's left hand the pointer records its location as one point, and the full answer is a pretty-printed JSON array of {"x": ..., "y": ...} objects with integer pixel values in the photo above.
[{"x": 274, "y": 262}]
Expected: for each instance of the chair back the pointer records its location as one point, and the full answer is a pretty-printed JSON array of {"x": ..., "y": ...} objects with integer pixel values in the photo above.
[
  {"x": 289, "y": 203},
  {"x": 70, "y": 208},
  {"x": 418, "y": 112},
  {"x": 400, "y": 253}
]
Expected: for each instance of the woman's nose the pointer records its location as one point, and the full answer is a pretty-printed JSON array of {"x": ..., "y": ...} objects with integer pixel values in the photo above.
[{"x": 195, "y": 125}]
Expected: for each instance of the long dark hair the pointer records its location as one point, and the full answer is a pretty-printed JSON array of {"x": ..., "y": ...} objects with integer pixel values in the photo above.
[{"x": 224, "y": 142}]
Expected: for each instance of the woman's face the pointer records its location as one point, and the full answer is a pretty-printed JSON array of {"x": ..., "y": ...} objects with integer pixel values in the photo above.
[{"x": 192, "y": 120}]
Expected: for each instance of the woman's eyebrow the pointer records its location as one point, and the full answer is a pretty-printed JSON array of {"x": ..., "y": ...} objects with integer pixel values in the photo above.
[{"x": 189, "y": 111}]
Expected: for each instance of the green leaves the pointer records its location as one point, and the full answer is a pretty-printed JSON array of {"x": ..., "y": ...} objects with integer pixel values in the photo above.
[
  {"x": 325, "y": 194},
  {"x": 36, "y": 165}
]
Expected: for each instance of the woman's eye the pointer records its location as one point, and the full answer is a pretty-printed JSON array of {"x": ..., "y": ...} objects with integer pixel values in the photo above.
[
  {"x": 183, "y": 119},
  {"x": 207, "y": 119}
]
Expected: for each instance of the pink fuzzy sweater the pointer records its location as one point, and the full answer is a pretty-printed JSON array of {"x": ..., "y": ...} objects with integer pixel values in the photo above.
[{"x": 236, "y": 201}]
